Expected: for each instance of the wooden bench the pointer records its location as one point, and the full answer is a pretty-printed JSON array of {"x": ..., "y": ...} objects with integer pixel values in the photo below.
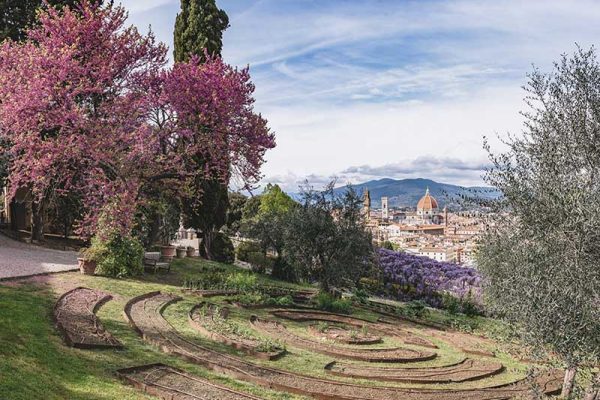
[{"x": 153, "y": 263}]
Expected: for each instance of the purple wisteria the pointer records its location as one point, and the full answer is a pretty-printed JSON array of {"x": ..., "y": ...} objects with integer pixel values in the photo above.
[{"x": 410, "y": 277}]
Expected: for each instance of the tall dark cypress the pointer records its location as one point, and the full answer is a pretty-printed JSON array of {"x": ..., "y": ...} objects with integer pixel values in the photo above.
[{"x": 199, "y": 28}]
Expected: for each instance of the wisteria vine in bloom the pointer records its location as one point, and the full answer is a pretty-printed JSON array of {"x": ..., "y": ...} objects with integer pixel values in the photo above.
[{"x": 410, "y": 277}]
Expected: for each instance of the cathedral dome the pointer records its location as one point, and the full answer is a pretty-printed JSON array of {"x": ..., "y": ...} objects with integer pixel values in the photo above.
[{"x": 427, "y": 203}]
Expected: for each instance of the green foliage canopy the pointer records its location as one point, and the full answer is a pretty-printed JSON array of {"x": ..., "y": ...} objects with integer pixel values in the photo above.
[{"x": 542, "y": 256}]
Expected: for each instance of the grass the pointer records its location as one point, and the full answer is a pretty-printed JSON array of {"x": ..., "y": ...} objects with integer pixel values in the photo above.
[{"x": 34, "y": 362}]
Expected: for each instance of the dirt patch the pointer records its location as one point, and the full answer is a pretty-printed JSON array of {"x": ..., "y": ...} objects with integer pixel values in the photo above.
[
  {"x": 399, "y": 355},
  {"x": 467, "y": 370},
  {"x": 145, "y": 314},
  {"x": 343, "y": 334},
  {"x": 385, "y": 328},
  {"x": 202, "y": 318},
  {"x": 169, "y": 383},
  {"x": 75, "y": 317}
]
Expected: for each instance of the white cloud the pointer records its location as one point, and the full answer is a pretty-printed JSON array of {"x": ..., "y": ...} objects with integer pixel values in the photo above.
[{"x": 385, "y": 83}]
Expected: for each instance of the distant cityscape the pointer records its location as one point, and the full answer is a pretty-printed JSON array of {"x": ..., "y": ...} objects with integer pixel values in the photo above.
[{"x": 425, "y": 229}]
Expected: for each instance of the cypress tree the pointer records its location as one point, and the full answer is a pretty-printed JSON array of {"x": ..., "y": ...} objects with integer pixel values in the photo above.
[{"x": 199, "y": 28}]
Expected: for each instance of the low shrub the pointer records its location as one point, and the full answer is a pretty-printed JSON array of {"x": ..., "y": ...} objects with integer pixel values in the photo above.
[
  {"x": 260, "y": 262},
  {"x": 284, "y": 301},
  {"x": 416, "y": 309},
  {"x": 118, "y": 256},
  {"x": 245, "y": 248},
  {"x": 242, "y": 281},
  {"x": 466, "y": 305},
  {"x": 326, "y": 302},
  {"x": 219, "y": 279},
  {"x": 361, "y": 295}
]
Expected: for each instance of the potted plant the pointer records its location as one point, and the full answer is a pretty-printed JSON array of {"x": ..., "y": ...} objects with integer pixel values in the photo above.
[
  {"x": 88, "y": 260},
  {"x": 191, "y": 251},
  {"x": 181, "y": 252},
  {"x": 86, "y": 267},
  {"x": 167, "y": 252}
]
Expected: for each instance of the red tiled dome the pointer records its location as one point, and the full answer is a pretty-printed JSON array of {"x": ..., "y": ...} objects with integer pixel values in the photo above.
[{"x": 427, "y": 203}]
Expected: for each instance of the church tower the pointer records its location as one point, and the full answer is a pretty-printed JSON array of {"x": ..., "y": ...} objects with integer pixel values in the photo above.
[
  {"x": 385, "y": 212},
  {"x": 367, "y": 204}
]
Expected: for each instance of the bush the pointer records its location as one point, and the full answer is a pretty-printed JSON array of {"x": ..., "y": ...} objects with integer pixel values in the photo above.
[
  {"x": 241, "y": 281},
  {"x": 222, "y": 249},
  {"x": 219, "y": 279},
  {"x": 416, "y": 308},
  {"x": 119, "y": 256},
  {"x": 284, "y": 301},
  {"x": 466, "y": 305},
  {"x": 327, "y": 302},
  {"x": 244, "y": 250},
  {"x": 260, "y": 262},
  {"x": 361, "y": 295}
]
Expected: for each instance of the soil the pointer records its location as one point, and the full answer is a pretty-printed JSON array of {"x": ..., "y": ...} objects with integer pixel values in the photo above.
[
  {"x": 399, "y": 355},
  {"x": 169, "y": 383},
  {"x": 75, "y": 317},
  {"x": 395, "y": 330},
  {"x": 205, "y": 324},
  {"x": 467, "y": 370},
  {"x": 342, "y": 334},
  {"x": 145, "y": 314}
]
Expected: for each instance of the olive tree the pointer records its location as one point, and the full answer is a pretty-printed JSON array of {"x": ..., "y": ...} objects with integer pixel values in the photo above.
[
  {"x": 326, "y": 239},
  {"x": 541, "y": 257}
]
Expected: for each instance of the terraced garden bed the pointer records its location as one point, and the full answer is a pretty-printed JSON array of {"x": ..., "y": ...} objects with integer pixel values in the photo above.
[
  {"x": 173, "y": 384},
  {"x": 145, "y": 314},
  {"x": 75, "y": 317},
  {"x": 212, "y": 321},
  {"x": 467, "y": 370},
  {"x": 343, "y": 334},
  {"x": 396, "y": 355}
]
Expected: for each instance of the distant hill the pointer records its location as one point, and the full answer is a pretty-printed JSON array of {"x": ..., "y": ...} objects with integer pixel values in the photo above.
[{"x": 407, "y": 192}]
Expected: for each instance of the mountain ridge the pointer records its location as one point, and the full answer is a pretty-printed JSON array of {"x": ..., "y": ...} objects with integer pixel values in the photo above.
[{"x": 407, "y": 192}]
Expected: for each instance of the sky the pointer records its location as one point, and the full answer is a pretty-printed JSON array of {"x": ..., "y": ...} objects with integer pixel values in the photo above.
[{"x": 369, "y": 89}]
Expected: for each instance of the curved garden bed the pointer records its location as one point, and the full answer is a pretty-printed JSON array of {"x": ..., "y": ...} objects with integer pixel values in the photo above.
[
  {"x": 342, "y": 334},
  {"x": 145, "y": 314},
  {"x": 212, "y": 322},
  {"x": 75, "y": 317},
  {"x": 398, "y": 355},
  {"x": 173, "y": 384},
  {"x": 384, "y": 328},
  {"x": 466, "y": 370}
]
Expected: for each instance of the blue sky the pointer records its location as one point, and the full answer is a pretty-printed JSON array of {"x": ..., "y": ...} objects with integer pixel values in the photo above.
[{"x": 369, "y": 89}]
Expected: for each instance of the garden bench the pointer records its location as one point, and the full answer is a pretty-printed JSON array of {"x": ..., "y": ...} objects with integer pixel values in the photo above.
[{"x": 153, "y": 263}]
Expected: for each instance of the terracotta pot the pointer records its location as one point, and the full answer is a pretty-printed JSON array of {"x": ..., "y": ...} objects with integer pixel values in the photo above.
[
  {"x": 86, "y": 267},
  {"x": 191, "y": 252},
  {"x": 167, "y": 251},
  {"x": 181, "y": 252}
]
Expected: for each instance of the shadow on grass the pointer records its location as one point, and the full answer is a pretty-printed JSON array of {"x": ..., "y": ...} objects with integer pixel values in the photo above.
[{"x": 35, "y": 364}]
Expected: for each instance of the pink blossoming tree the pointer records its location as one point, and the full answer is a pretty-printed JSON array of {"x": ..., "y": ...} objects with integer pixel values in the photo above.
[{"x": 89, "y": 108}]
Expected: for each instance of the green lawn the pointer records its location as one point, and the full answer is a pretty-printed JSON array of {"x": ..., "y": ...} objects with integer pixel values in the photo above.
[{"x": 35, "y": 364}]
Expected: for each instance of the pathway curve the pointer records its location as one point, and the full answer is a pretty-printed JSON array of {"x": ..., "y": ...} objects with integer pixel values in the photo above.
[{"x": 19, "y": 259}]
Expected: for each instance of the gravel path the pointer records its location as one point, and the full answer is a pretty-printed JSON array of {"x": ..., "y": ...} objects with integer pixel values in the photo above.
[{"x": 20, "y": 259}]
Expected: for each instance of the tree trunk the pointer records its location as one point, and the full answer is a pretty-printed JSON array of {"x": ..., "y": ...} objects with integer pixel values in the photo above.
[
  {"x": 208, "y": 241},
  {"x": 37, "y": 221},
  {"x": 569, "y": 382},
  {"x": 593, "y": 392}
]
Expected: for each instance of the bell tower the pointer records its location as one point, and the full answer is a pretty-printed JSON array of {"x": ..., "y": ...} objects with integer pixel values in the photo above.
[
  {"x": 367, "y": 204},
  {"x": 385, "y": 212}
]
